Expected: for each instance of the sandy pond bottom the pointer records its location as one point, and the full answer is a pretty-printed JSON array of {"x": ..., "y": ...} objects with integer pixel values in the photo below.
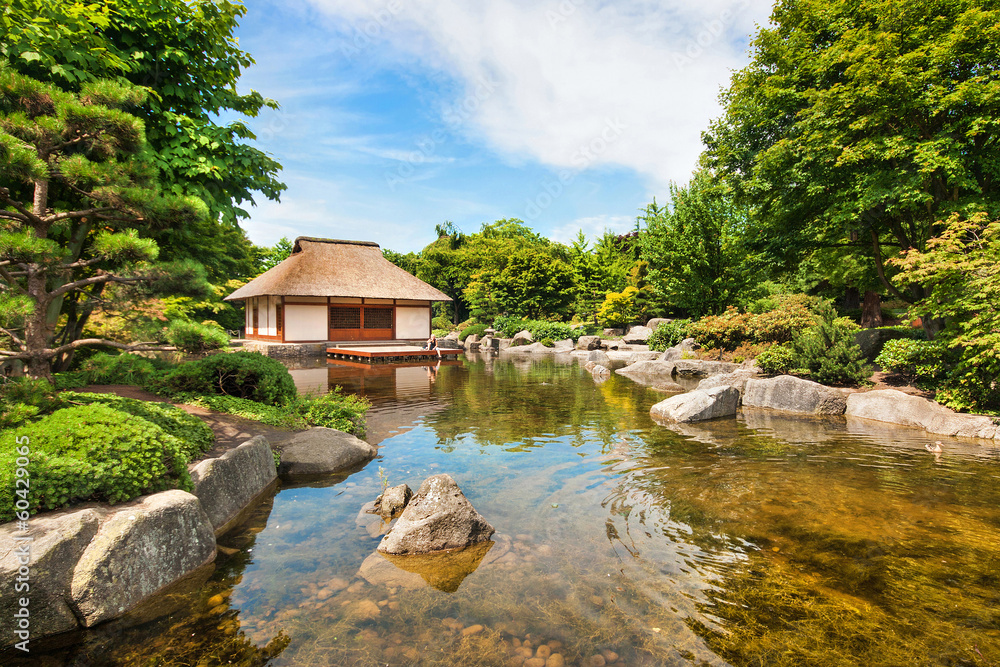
[{"x": 766, "y": 540}]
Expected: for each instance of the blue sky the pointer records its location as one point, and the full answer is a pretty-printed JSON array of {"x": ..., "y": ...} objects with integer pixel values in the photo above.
[{"x": 400, "y": 114}]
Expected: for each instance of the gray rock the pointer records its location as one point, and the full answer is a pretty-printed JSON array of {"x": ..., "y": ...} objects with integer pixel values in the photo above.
[
  {"x": 871, "y": 341},
  {"x": 610, "y": 332},
  {"x": 57, "y": 541},
  {"x": 471, "y": 342},
  {"x": 228, "y": 484},
  {"x": 600, "y": 357},
  {"x": 321, "y": 451},
  {"x": 737, "y": 378},
  {"x": 438, "y": 517},
  {"x": 142, "y": 547},
  {"x": 697, "y": 405},
  {"x": 452, "y": 336},
  {"x": 635, "y": 357},
  {"x": 671, "y": 354},
  {"x": 655, "y": 322},
  {"x": 637, "y": 335},
  {"x": 599, "y": 371},
  {"x": 565, "y": 345},
  {"x": 524, "y": 336},
  {"x": 533, "y": 348},
  {"x": 896, "y": 407},
  {"x": 588, "y": 343},
  {"x": 689, "y": 345},
  {"x": 649, "y": 372},
  {"x": 393, "y": 500},
  {"x": 702, "y": 367},
  {"x": 793, "y": 394}
]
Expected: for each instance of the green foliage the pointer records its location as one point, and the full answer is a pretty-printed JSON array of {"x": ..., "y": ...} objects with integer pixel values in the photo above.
[
  {"x": 130, "y": 369},
  {"x": 916, "y": 360},
  {"x": 507, "y": 326},
  {"x": 273, "y": 415},
  {"x": 344, "y": 412},
  {"x": 473, "y": 330},
  {"x": 23, "y": 399},
  {"x": 961, "y": 270},
  {"x": 190, "y": 336},
  {"x": 91, "y": 452},
  {"x": 697, "y": 248},
  {"x": 196, "y": 437},
  {"x": 668, "y": 334},
  {"x": 790, "y": 315},
  {"x": 777, "y": 360},
  {"x": 248, "y": 375},
  {"x": 270, "y": 257},
  {"x": 618, "y": 308},
  {"x": 828, "y": 351},
  {"x": 853, "y": 128},
  {"x": 442, "y": 323},
  {"x": 547, "y": 342}
]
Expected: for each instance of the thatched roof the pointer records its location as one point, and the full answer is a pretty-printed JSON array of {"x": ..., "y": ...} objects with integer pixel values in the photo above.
[{"x": 330, "y": 267}]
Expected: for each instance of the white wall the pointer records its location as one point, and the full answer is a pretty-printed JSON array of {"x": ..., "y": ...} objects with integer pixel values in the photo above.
[
  {"x": 306, "y": 323},
  {"x": 413, "y": 322}
]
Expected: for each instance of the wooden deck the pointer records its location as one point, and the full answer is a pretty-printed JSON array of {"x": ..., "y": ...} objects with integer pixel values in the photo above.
[{"x": 384, "y": 354}]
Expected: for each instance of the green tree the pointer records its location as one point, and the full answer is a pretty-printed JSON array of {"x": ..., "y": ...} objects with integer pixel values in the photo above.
[
  {"x": 269, "y": 257},
  {"x": 961, "y": 269},
  {"x": 183, "y": 52},
  {"x": 526, "y": 282},
  {"x": 862, "y": 123},
  {"x": 699, "y": 259},
  {"x": 77, "y": 183}
]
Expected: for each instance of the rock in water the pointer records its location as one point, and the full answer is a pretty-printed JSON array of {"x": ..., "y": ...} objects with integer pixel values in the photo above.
[
  {"x": 392, "y": 501},
  {"x": 438, "y": 517},
  {"x": 322, "y": 451}
]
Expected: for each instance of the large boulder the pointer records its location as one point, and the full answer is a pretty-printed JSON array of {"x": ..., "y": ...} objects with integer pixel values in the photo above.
[
  {"x": 471, "y": 342},
  {"x": 896, "y": 407},
  {"x": 737, "y": 378},
  {"x": 702, "y": 367},
  {"x": 522, "y": 337},
  {"x": 565, "y": 345},
  {"x": 649, "y": 372},
  {"x": 638, "y": 334},
  {"x": 533, "y": 348},
  {"x": 588, "y": 343},
  {"x": 600, "y": 357},
  {"x": 142, "y": 547},
  {"x": 54, "y": 543},
  {"x": 655, "y": 322},
  {"x": 697, "y": 405},
  {"x": 438, "y": 517},
  {"x": 322, "y": 451},
  {"x": 228, "y": 484},
  {"x": 642, "y": 355},
  {"x": 793, "y": 394}
]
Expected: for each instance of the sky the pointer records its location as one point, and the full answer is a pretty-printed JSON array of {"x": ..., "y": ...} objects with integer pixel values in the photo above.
[{"x": 399, "y": 115}]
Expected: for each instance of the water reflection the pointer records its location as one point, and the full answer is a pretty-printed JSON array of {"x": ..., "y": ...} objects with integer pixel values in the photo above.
[{"x": 763, "y": 540}]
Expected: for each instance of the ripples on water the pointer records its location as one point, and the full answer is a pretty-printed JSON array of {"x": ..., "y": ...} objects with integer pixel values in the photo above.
[{"x": 765, "y": 540}]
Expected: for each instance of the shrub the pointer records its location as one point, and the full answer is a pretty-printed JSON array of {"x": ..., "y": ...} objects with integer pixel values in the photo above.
[
  {"x": 344, "y": 412},
  {"x": 776, "y": 360},
  {"x": 248, "y": 375},
  {"x": 618, "y": 308},
  {"x": 725, "y": 331},
  {"x": 668, "y": 334},
  {"x": 508, "y": 325},
  {"x": 915, "y": 360},
  {"x": 195, "y": 434},
  {"x": 273, "y": 415},
  {"x": 440, "y": 322},
  {"x": 547, "y": 342},
  {"x": 475, "y": 329},
  {"x": 119, "y": 369},
  {"x": 828, "y": 351},
  {"x": 91, "y": 452},
  {"x": 189, "y": 336},
  {"x": 794, "y": 314},
  {"x": 22, "y": 399}
]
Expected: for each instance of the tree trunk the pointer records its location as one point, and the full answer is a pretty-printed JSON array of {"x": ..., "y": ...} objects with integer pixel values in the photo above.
[
  {"x": 871, "y": 312},
  {"x": 852, "y": 298}
]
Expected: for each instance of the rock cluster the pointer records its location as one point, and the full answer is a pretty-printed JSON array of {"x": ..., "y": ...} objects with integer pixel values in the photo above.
[{"x": 438, "y": 517}]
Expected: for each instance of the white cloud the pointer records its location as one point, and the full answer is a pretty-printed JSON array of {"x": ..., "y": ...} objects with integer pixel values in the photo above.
[
  {"x": 594, "y": 227},
  {"x": 543, "y": 81}
]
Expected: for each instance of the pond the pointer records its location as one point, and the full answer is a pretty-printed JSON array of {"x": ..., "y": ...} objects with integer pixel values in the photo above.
[{"x": 765, "y": 540}]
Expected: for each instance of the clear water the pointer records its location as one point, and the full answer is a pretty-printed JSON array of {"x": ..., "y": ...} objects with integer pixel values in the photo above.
[{"x": 765, "y": 540}]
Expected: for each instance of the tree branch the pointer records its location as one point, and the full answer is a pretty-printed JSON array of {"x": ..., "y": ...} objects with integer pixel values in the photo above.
[
  {"x": 13, "y": 336},
  {"x": 78, "y": 214},
  {"x": 6, "y": 275},
  {"x": 30, "y": 217},
  {"x": 94, "y": 280},
  {"x": 880, "y": 269}
]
